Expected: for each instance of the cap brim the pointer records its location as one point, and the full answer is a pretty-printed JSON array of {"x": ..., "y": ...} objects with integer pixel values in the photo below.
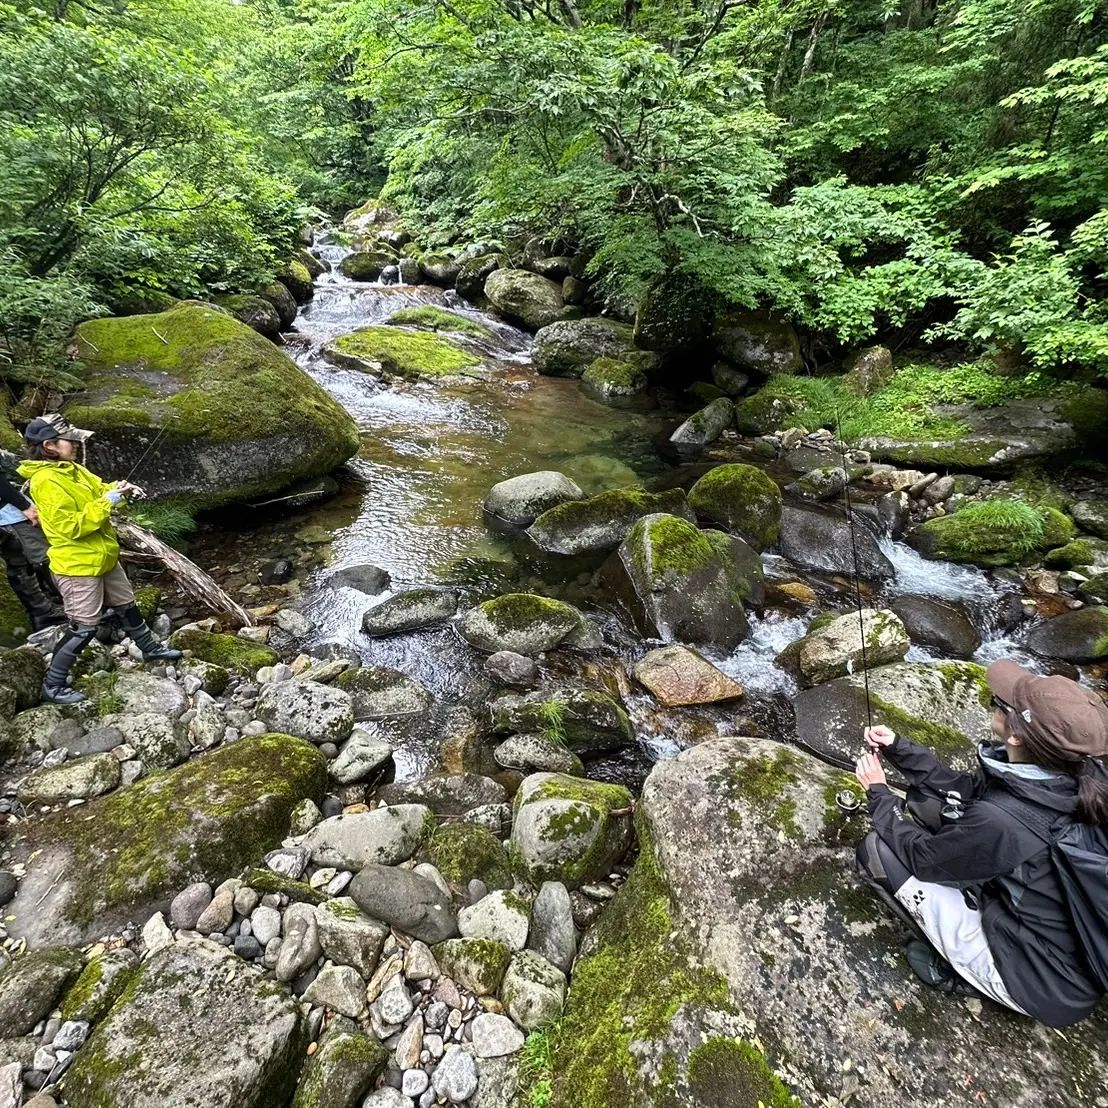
[
  {"x": 76, "y": 434},
  {"x": 1004, "y": 679}
]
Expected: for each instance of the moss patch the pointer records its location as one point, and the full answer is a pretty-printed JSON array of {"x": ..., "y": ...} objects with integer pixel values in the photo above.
[
  {"x": 675, "y": 547},
  {"x": 229, "y": 651},
  {"x": 760, "y": 783},
  {"x": 989, "y": 533},
  {"x": 463, "y": 851},
  {"x": 433, "y": 318},
  {"x": 614, "y": 377},
  {"x": 205, "y": 819},
  {"x": 640, "y": 974},
  {"x": 725, "y": 1072},
  {"x": 205, "y": 376},
  {"x": 742, "y": 499},
  {"x": 404, "y": 353}
]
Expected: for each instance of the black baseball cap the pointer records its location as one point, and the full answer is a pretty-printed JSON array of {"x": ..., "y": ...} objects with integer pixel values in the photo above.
[{"x": 47, "y": 428}]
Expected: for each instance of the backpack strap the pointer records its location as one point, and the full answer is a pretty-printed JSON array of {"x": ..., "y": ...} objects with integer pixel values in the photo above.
[{"x": 1034, "y": 817}]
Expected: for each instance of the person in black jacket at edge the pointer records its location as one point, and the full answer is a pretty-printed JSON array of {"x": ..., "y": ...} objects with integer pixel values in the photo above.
[
  {"x": 966, "y": 873},
  {"x": 24, "y": 550}
]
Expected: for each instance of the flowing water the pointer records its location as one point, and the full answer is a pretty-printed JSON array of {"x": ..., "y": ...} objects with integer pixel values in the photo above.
[{"x": 411, "y": 504}]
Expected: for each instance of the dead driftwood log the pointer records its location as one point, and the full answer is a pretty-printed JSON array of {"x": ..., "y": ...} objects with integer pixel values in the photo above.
[{"x": 139, "y": 543}]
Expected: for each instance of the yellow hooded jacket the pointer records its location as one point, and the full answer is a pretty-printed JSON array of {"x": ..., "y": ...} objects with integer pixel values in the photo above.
[{"x": 76, "y": 517}]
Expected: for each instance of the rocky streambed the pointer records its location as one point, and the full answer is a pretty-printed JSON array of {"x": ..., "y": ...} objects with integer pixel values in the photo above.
[{"x": 523, "y": 789}]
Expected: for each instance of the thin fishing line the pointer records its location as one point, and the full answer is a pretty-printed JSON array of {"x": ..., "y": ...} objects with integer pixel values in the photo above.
[
  {"x": 854, "y": 556},
  {"x": 856, "y": 577}
]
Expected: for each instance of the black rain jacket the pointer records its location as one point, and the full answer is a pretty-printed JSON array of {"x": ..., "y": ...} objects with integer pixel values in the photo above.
[{"x": 1003, "y": 867}]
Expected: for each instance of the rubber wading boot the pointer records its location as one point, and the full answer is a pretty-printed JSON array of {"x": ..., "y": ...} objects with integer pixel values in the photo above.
[
  {"x": 35, "y": 602},
  {"x": 934, "y": 970},
  {"x": 143, "y": 637},
  {"x": 55, "y": 686}
]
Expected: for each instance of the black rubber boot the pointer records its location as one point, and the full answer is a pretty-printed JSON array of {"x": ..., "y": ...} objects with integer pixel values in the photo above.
[
  {"x": 141, "y": 635},
  {"x": 55, "y": 686},
  {"x": 35, "y": 602},
  {"x": 934, "y": 970}
]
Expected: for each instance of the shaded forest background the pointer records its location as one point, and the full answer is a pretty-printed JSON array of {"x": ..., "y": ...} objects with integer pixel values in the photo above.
[{"x": 931, "y": 172}]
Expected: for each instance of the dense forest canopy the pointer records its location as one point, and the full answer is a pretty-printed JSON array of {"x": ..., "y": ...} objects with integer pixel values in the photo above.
[{"x": 934, "y": 171}]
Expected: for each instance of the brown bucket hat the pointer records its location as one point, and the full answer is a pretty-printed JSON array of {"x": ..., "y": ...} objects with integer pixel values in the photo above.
[{"x": 1058, "y": 712}]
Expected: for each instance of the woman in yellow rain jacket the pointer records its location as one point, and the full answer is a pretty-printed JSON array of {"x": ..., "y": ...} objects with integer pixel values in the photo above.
[{"x": 75, "y": 509}]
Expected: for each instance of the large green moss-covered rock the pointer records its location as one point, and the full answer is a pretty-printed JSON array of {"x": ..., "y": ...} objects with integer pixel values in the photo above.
[
  {"x": 757, "y": 342},
  {"x": 390, "y": 351},
  {"x": 156, "y": 1046},
  {"x": 989, "y": 533},
  {"x": 366, "y": 265},
  {"x": 232, "y": 415},
  {"x": 742, "y": 961},
  {"x": 526, "y": 624},
  {"x": 614, "y": 381},
  {"x": 680, "y": 584},
  {"x": 462, "y": 851},
  {"x": 742, "y": 499},
  {"x": 123, "y": 856}
]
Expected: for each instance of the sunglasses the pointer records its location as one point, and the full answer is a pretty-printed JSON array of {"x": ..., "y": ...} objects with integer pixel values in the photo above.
[{"x": 999, "y": 704}]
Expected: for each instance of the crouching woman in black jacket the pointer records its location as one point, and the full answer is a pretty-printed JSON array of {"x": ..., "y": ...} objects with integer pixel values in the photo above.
[{"x": 970, "y": 871}]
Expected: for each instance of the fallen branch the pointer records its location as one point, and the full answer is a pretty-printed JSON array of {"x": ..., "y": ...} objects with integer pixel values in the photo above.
[{"x": 140, "y": 543}]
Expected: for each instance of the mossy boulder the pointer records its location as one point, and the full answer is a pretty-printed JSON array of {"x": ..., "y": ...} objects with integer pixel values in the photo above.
[
  {"x": 76, "y": 779},
  {"x": 473, "y": 273},
  {"x": 21, "y": 672},
  {"x": 764, "y": 412},
  {"x": 378, "y": 692},
  {"x": 743, "y": 963},
  {"x": 587, "y": 721},
  {"x": 943, "y": 705},
  {"x": 31, "y": 985},
  {"x": 601, "y": 522},
  {"x": 156, "y": 1046},
  {"x": 1092, "y": 515},
  {"x": 526, "y": 624},
  {"x": 411, "y": 610},
  {"x": 123, "y": 856},
  {"x": 758, "y": 342},
  {"x": 1078, "y": 636},
  {"x": 391, "y": 351},
  {"x": 284, "y": 303},
  {"x": 680, "y": 584},
  {"x": 568, "y": 347},
  {"x": 342, "y": 1070},
  {"x": 229, "y": 651},
  {"x": 255, "y": 311},
  {"x": 1088, "y": 555},
  {"x": 99, "y": 986},
  {"x": 430, "y": 317},
  {"x": 568, "y": 829},
  {"x": 524, "y": 298},
  {"x": 476, "y": 964},
  {"x": 233, "y": 416},
  {"x": 849, "y": 642},
  {"x": 986, "y": 533},
  {"x": 741, "y": 499},
  {"x": 296, "y": 277},
  {"x": 614, "y": 380},
  {"x": 366, "y": 265},
  {"x": 464, "y": 851},
  {"x": 308, "y": 709}
]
